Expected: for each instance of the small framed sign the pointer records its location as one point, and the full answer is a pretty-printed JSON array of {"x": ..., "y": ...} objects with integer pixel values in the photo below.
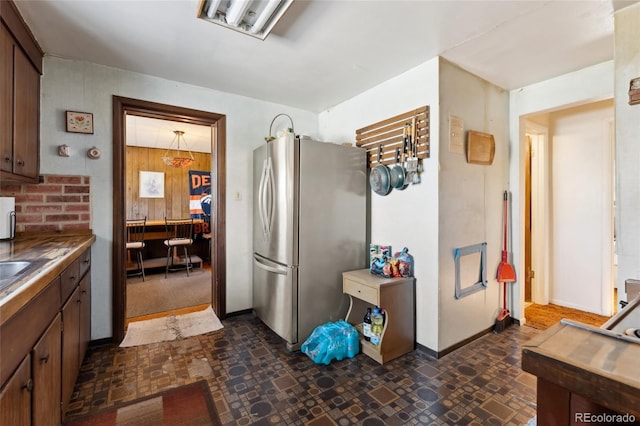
[{"x": 79, "y": 122}]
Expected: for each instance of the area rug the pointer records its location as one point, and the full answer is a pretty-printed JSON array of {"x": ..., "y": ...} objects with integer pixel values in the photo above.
[
  {"x": 544, "y": 316},
  {"x": 172, "y": 327},
  {"x": 160, "y": 294},
  {"x": 189, "y": 405}
]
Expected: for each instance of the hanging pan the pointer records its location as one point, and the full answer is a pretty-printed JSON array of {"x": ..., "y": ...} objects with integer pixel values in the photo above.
[
  {"x": 379, "y": 177},
  {"x": 397, "y": 173}
]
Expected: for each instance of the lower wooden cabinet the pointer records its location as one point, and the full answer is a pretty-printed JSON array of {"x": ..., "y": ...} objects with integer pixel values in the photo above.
[
  {"x": 15, "y": 398},
  {"x": 45, "y": 367},
  {"x": 85, "y": 317},
  {"x": 76, "y": 317},
  {"x": 43, "y": 347}
]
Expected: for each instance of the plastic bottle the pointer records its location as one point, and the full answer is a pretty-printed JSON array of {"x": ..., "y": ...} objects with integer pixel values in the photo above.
[
  {"x": 377, "y": 322},
  {"x": 366, "y": 325}
]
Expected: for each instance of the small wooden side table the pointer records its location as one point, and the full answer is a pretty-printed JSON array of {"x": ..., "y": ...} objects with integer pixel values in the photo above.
[{"x": 396, "y": 297}]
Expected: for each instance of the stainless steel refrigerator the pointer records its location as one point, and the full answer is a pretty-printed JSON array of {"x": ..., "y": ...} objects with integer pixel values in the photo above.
[{"x": 309, "y": 226}]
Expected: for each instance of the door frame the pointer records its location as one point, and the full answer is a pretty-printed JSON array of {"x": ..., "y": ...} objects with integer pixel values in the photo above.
[
  {"x": 539, "y": 205},
  {"x": 121, "y": 107}
]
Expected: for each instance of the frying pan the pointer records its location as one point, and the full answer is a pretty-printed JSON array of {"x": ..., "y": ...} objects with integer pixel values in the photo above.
[
  {"x": 397, "y": 173},
  {"x": 379, "y": 177}
]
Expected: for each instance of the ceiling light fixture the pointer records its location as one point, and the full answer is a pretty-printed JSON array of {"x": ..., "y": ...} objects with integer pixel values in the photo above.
[
  {"x": 178, "y": 160},
  {"x": 253, "y": 17}
]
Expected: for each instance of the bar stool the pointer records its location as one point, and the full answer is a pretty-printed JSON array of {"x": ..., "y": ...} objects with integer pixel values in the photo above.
[
  {"x": 179, "y": 234},
  {"x": 135, "y": 242}
]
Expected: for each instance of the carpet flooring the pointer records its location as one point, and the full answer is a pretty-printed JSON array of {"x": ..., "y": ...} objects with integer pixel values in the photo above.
[
  {"x": 544, "y": 316},
  {"x": 189, "y": 405},
  {"x": 160, "y": 294}
]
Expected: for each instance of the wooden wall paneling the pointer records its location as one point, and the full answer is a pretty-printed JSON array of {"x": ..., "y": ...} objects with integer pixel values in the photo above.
[
  {"x": 176, "y": 191},
  {"x": 157, "y": 207}
]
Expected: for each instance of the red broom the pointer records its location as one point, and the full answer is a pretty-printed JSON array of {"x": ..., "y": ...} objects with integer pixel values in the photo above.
[{"x": 506, "y": 273}]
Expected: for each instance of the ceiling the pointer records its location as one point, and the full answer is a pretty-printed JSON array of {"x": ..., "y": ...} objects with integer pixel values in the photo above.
[
  {"x": 155, "y": 133},
  {"x": 324, "y": 52}
]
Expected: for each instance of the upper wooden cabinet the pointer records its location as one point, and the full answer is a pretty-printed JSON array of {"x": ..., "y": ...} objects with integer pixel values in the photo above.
[{"x": 20, "y": 71}]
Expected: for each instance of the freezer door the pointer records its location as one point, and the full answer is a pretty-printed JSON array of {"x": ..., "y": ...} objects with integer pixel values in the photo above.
[
  {"x": 275, "y": 296},
  {"x": 275, "y": 203}
]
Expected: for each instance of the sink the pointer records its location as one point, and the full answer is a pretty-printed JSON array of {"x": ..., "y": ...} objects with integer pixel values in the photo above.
[{"x": 11, "y": 270}]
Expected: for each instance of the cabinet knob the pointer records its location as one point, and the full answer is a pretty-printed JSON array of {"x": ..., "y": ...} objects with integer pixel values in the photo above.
[
  {"x": 7, "y": 159},
  {"x": 72, "y": 278},
  {"x": 44, "y": 359},
  {"x": 28, "y": 386},
  {"x": 20, "y": 163}
]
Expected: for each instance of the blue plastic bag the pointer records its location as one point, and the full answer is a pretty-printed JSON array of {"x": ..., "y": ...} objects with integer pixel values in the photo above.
[{"x": 333, "y": 340}]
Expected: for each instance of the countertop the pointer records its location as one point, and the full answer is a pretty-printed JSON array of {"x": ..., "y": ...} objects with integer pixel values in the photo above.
[
  {"x": 600, "y": 364},
  {"x": 52, "y": 252}
]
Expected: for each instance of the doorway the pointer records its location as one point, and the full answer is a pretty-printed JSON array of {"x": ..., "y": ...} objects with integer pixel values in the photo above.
[
  {"x": 127, "y": 106},
  {"x": 537, "y": 217},
  {"x": 179, "y": 191},
  {"x": 568, "y": 208}
]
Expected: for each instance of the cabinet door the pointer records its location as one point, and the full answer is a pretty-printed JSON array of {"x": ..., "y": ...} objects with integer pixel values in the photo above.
[
  {"x": 70, "y": 345},
  {"x": 26, "y": 116},
  {"x": 85, "y": 316},
  {"x": 46, "y": 376},
  {"x": 15, "y": 398},
  {"x": 6, "y": 100}
]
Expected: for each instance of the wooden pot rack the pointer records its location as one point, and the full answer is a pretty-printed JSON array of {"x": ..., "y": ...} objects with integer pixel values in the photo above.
[{"x": 389, "y": 134}]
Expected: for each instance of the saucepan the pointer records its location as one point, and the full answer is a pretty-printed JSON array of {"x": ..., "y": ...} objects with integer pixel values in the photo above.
[
  {"x": 379, "y": 177},
  {"x": 397, "y": 173}
]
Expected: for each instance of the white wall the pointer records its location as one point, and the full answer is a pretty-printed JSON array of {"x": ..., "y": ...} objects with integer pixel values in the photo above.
[
  {"x": 81, "y": 86},
  {"x": 590, "y": 84},
  {"x": 470, "y": 203},
  {"x": 627, "y": 67},
  {"x": 410, "y": 217},
  {"x": 581, "y": 207}
]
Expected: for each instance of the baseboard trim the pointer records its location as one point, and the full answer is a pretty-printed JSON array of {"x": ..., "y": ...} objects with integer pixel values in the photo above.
[
  {"x": 237, "y": 313},
  {"x": 101, "y": 342},
  {"x": 440, "y": 354}
]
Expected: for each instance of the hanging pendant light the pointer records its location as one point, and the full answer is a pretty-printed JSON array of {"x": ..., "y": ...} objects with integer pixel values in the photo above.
[{"x": 178, "y": 160}]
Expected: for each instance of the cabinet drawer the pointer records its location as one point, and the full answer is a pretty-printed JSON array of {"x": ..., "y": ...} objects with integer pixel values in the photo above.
[
  {"x": 361, "y": 291},
  {"x": 85, "y": 262},
  {"x": 70, "y": 280},
  {"x": 20, "y": 332}
]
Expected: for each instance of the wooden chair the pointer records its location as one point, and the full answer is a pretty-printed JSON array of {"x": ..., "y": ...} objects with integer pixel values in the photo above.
[
  {"x": 135, "y": 242},
  {"x": 179, "y": 234}
]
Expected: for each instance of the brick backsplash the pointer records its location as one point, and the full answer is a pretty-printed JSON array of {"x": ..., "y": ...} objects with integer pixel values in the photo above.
[{"x": 60, "y": 203}]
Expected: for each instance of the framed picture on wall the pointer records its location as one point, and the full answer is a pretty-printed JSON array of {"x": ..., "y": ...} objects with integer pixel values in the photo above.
[
  {"x": 151, "y": 184},
  {"x": 79, "y": 122}
]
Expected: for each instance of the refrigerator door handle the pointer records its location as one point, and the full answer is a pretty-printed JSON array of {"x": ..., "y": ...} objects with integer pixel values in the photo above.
[
  {"x": 268, "y": 201},
  {"x": 262, "y": 263},
  {"x": 261, "y": 189}
]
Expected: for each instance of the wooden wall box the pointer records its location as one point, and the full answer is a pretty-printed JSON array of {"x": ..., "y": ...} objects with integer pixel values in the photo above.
[{"x": 481, "y": 148}]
